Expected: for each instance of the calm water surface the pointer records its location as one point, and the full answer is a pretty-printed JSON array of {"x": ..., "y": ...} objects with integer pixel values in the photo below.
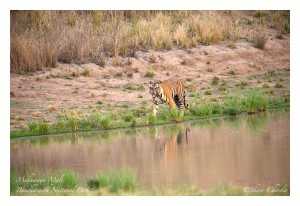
[{"x": 240, "y": 151}]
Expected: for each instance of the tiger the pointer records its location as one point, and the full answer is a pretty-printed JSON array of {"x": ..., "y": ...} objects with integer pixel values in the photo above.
[{"x": 170, "y": 91}]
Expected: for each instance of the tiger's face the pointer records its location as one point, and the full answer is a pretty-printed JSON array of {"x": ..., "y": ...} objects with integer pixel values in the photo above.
[{"x": 154, "y": 88}]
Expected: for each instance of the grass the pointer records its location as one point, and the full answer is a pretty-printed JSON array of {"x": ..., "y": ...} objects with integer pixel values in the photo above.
[
  {"x": 215, "y": 80},
  {"x": 121, "y": 181},
  {"x": 115, "y": 180},
  {"x": 173, "y": 115},
  {"x": 260, "y": 40},
  {"x": 209, "y": 69},
  {"x": 279, "y": 85},
  {"x": 38, "y": 38},
  {"x": 255, "y": 102},
  {"x": 51, "y": 183},
  {"x": 86, "y": 72},
  {"x": 206, "y": 109},
  {"x": 150, "y": 74},
  {"x": 233, "y": 106},
  {"x": 232, "y": 72},
  {"x": 250, "y": 100}
]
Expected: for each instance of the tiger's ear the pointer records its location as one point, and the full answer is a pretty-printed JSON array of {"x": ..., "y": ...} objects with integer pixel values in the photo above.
[
  {"x": 150, "y": 82},
  {"x": 159, "y": 82}
]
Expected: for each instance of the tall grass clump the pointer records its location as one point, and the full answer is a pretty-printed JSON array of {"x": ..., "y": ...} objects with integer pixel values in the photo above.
[
  {"x": 43, "y": 128},
  {"x": 171, "y": 115},
  {"x": 233, "y": 106},
  {"x": 206, "y": 109},
  {"x": 151, "y": 119},
  {"x": 255, "y": 102},
  {"x": 115, "y": 180},
  {"x": 260, "y": 40}
]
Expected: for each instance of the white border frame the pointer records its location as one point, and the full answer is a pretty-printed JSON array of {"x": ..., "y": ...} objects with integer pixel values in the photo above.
[{"x": 6, "y": 6}]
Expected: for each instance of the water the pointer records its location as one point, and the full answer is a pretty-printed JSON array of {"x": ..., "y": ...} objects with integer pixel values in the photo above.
[{"x": 240, "y": 151}]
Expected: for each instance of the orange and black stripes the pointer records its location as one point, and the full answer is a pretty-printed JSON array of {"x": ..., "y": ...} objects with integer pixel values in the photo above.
[{"x": 170, "y": 91}]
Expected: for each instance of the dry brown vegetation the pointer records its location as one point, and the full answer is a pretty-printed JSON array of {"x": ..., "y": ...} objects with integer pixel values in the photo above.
[{"x": 42, "y": 38}]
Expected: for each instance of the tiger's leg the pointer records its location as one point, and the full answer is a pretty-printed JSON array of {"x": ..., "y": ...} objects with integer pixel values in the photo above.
[
  {"x": 172, "y": 104},
  {"x": 154, "y": 107}
]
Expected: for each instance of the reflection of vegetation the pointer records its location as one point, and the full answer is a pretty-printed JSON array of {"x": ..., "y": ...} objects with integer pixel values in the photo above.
[
  {"x": 233, "y": 122},
  {"x": 258, "y": 122},
  {"x": 208, "y": 124}
]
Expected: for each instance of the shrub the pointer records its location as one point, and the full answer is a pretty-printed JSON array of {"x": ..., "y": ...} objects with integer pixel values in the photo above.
[
  {"x": 86, "y": 72},
  {"x": 72, "y": 124},
  {"x": 255, "y": 101},
  {"x": 279, "y": 85},
  {"x": 171, "y": 114},
  {"x": 232, "y": 72},
  {"x": 206, "y": 109},
  {"x": 43, "y": 128},
  {"x": 115, "y": 180},
  {"x": 130, "y": 86},
  {"x": 151, "y": 119},
  {"x": 150, "y": 74},
  {"x": 260, "y": 40},
  {"x": 208, "y": 92},
  {"x": 128, "y": 117},
  {"x": 215, "y": 80},
  {"x": 104, "y": 122},
  {"x": 266, "y": 85},
  {"x": 32, "y": 126},
  {"x": 233, "y": 106}
]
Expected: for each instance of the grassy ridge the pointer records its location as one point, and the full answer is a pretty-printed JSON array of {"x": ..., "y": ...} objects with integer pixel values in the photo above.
[
  {"x": 42, "y": 38},
  {"x": 251, "y": 103}
]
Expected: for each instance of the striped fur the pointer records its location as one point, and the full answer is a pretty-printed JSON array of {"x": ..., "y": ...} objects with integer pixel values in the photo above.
[{"x": 170, "y": 91}]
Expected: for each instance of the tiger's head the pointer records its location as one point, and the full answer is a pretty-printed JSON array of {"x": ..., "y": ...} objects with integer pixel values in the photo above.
[{"x": 154, "y": 88}]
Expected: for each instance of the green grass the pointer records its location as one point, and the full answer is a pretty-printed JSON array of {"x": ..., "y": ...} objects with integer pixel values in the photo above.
[
  {"x": 118, "y": 182},
  {"x": 233, "y": 106},
  {"x": 151, "y": 119},
  {"x": 215, "y": 80},
  {"x": 150, "y": 74},
  {"x": 130, "y": 86},
  {"x": 255, "y": 101},
  {"x": 114, "y": 180},
  {"x": 66, "y": 180},
  {"x": 173, "y": 115},
  {"x": 32, "y": 126},
  {"x": 86, "y": 72},
  {"x": 206, "y": 109},
  {"x": 42, "y": 128},
  {"x": 232, "y": 72},
  {"x": 209, "y": 69}
]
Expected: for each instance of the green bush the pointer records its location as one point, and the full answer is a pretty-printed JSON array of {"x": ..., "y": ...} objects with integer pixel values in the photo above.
[
  {"x": 115, "y": 180},
  {"x": 43, "y": 128},
  {"x": 215, "y": 80},
  {"x": 233, "y": 106},
  {"x": 255, "y": 101},
  {"x": 151, "y": 119},
  {"x": 149, "y": 74},
  {"x": 32, "y": 126}
]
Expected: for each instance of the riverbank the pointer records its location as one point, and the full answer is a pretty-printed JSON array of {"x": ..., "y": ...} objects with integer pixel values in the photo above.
[{"x": 221, "y": 77}]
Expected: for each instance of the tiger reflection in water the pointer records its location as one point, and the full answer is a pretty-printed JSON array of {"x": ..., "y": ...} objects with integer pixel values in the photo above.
[{"x": 175, "y": 139}]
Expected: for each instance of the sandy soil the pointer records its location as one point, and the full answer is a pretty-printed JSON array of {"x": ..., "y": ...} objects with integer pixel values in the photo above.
[{"x": 40, "y": 96}]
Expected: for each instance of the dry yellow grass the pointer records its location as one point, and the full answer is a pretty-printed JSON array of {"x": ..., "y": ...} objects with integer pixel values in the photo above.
[{"x": 42, "y": 38}]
